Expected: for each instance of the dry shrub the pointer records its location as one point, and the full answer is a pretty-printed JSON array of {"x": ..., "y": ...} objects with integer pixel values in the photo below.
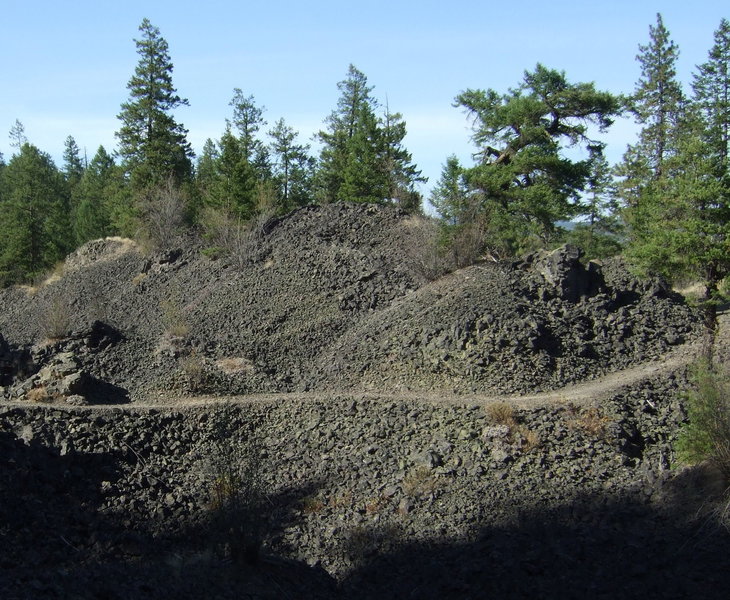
[
  {"x": 420, "y": 482},
  {"x": 235, "y": 365},
  {"x": 193, "y": 369},
  {"x": 501, "y": 413},
  {"x": 243, "y": 241},
  {"x": 56, "y": 320},
  {"x": 173, "y": 318},
  {"x": 162, "y": 211},
  {"x": 590, "y": 421},
  {"x": 39, "y": 395},
  {"x": 311, "y": 505},
  {"x": 138, "y": 279}
]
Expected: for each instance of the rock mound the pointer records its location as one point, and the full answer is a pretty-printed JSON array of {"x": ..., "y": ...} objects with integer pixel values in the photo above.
[{"x": 338, "y": 296}]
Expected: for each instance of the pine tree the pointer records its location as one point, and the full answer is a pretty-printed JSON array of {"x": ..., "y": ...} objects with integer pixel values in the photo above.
[
  {"x": 712, "y": 97},
  {"x": 34, "y": 221},
  {"x": 348, "y": 165},
  {"x": 681, "y": 225},
  {"x": 362, "y": 157},
  {"x": 152, "y": 144},
  {"x": 526, "y": 182},
  {"x": 73, "y": 167},
  {"x": 293, "y": 167},
  {"x": 401, "y": 175},
  {"x": 599, "y": 233},
  {"x": 17, "y": 135},
  {"x": 450, "y": 194},
  {"x": 92, "y": 217},
  {"x": 657, "y": 104}
]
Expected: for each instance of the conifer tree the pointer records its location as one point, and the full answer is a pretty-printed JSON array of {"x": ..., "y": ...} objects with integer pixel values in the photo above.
[
  {"x": 525, "y": 180},
  {"x": 152, "y": 144},
  {"x": 73, "y": 167},
  {"x": 362, "y": 157},
  {"x": 348, "y": 165},
  {"x": 293, "y": 167},
  {"x": 92, "y": 217},
  {"x": 34, "y": 221},
  {"x": 401, "y": 174},
  {"x": 681, "y": 226}
]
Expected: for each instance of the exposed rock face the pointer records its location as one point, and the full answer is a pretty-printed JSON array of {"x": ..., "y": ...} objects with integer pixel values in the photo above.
[{"x": 566, "y": 275}]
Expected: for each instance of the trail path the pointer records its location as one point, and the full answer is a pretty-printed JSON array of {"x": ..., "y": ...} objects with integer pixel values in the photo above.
[{"x": 585, "y": 393}]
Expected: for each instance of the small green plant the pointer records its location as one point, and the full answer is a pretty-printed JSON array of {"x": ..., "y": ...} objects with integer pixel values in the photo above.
[{"x": 706, "y": 435}]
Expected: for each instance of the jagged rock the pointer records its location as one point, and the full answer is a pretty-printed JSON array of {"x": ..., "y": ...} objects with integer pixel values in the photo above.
[{"x": 567, "y": 276}]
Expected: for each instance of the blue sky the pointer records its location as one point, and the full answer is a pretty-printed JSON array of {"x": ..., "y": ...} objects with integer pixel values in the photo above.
[{"x": 66, "y": 64}]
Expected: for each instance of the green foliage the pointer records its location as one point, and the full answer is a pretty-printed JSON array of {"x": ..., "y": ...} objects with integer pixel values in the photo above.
[
  {"x": 94, "y": 212},
  {"x": 523, "y": 182},
  {"x": 34, "y": 216},
  {"x": 706, "y": 436},
  {"x": 362, "y": 157},
  {"x": 152, "y": 144},
  {"x": 676, "y": 185},
  {"x": 293, "y": 168}
]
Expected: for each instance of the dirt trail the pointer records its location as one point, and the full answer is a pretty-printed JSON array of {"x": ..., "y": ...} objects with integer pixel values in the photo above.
[{"x": 586, "y": 393}]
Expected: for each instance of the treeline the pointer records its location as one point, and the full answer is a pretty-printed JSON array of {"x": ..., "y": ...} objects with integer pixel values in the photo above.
[
  {"x": 151, "y": 186},
  {"x": 665, "y": 204}
]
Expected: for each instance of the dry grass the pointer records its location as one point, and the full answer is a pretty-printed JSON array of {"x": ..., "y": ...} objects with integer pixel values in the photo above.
[
  {"x": 39, "y": 395},
  {"x": 235, "y": 365},
  {"x": 501, "y": 413},
  {"x": 173, "y": 318},
  {"x": 420, "y": 482},
  {"x": 56, "y": 320},
  {"x": 589, "y": 420},
  {"x": 311, "y": 505}
]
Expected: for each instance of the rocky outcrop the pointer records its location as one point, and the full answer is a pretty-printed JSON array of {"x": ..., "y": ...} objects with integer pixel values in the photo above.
[{"x": 565, "y": 274}]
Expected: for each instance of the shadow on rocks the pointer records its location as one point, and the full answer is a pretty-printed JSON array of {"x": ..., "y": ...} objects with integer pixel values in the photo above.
[{"x": 586, "y": 549}]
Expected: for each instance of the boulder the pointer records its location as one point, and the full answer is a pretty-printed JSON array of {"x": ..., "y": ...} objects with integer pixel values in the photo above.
[{"x": 566, "y": 275}]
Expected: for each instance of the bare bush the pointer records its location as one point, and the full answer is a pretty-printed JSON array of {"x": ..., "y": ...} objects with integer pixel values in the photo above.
[
  {"x": 162, "y": 211},
  {"x": 244, "y": 242}
]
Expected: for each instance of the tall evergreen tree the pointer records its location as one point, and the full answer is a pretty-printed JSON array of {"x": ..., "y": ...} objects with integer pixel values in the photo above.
[
  {"x": 526, "y": 182},
  {"x": 348, "y": 165},
  {"x": 73, "y": 166},
  {"x": 248, "y": 120},
  {"x": 34, "y": 222},
  {"x": 362, "y": 157},
  {"x": 17, "y": 135},
  {"x": 681, "y": 226},
  {"x": 657, "y": 104},
  {"x": 598, "y": 234},
  {"x": 401, "y": 174},
  {"x": 712, "y": 97},
  {"x": 450, "y": 194},
  {"x": 152, "y": 144},
  {"x": 293, "y": 167},
  {"x": 92, "y": 217}
]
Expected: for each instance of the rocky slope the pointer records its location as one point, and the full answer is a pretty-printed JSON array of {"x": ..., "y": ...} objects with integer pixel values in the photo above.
[
  {"x": 331, "y": 298},
  {"x": 369, "y": 456}
]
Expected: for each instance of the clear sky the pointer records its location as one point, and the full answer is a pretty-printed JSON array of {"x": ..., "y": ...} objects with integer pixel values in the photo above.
[{"x": 66, "y": 64}]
